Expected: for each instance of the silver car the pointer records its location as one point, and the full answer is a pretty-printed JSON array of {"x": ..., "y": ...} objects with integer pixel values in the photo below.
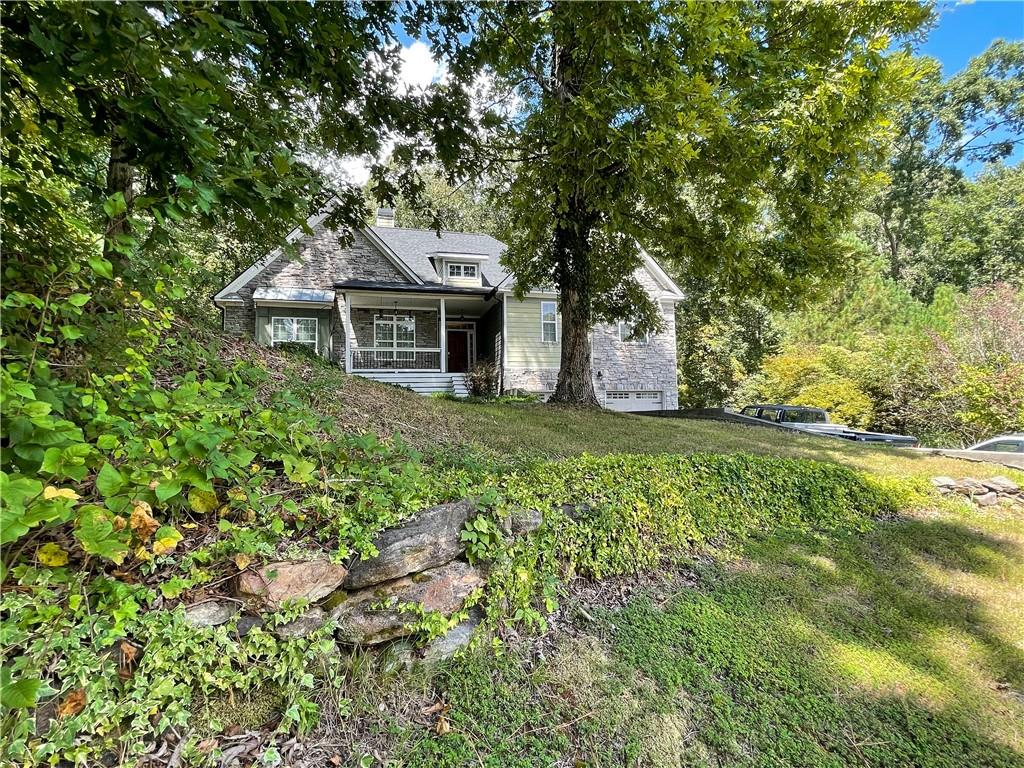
[{"x": 1003, "y": 444}]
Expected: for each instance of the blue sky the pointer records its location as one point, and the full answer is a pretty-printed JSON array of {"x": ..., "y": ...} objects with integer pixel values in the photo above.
[{"x": 966, "y": 29}]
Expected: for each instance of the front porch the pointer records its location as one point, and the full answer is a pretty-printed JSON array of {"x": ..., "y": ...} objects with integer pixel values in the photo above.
[{"x": 417, "y": 340}]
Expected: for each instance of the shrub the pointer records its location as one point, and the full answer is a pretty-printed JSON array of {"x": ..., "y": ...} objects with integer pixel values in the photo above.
[{"x": 483, "y": 379}]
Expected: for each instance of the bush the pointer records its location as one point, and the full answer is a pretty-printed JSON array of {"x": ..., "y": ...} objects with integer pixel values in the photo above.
[{"x": 483, "y": 379}]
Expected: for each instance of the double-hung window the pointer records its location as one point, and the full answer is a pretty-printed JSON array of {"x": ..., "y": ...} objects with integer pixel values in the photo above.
[
  {"x": 394, "y": 336},
  {"x": 462, "y": 271},
  {"x": 627, "y": 333},
  {"x": 296, "y": 330},
  {"x": 549, "y": 322}
]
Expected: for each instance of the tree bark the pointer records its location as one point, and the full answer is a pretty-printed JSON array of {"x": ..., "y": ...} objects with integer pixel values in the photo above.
[
  {"x": 120, "y": 178},
  {"x": 575, "y": 380},
  {"x": 571, "y": 241}
]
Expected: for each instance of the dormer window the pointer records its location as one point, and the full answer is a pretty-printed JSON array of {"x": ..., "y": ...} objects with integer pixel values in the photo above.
[{"x": 463, "y": 271}]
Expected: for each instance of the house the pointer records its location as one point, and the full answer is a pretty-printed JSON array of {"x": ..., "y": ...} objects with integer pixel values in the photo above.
[{"x": 419, "y": 309}]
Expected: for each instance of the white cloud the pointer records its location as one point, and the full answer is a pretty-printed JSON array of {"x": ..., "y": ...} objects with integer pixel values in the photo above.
[{"x": 419, "y": 69}]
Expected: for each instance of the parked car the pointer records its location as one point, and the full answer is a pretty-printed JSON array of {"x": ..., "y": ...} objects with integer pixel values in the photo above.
[
  {"x": 1003, "y": 444},
  {"x": 815, "y": 420}
]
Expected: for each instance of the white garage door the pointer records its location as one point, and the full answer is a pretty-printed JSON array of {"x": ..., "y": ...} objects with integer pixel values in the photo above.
[{"x": 640, "y": 400}]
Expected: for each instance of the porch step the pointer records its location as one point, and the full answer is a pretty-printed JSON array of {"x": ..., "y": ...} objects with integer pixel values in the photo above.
[{"x": 424, "y": 383}]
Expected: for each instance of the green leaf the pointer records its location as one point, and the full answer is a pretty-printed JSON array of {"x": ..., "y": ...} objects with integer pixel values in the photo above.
[
  {"x": 109, "y": 481},
  {"x": 101, "y": 267},
  {"x": 19, "y": 694},
  {"x": 71, "y": 332},
  {"x": 168, "y": 489},
  {"x": 78, "y": 299},
  {"x": 115, "y": 205}
]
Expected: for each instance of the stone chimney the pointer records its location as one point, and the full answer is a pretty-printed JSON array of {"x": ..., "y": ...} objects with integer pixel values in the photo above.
[{"x": 385, "y": 217}]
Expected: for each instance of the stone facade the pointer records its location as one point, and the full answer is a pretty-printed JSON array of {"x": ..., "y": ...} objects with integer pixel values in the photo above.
[
  {"x": 632, "y": 365},
  {"x": 323, "y": 259},
  {"x": 622, "y": 365}
]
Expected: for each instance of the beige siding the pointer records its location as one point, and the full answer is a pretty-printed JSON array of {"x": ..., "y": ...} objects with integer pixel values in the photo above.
[{"x": 522, "y": 336}]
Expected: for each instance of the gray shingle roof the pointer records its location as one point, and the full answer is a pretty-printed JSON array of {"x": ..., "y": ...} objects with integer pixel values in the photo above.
[{"x": 416, "y": 247}]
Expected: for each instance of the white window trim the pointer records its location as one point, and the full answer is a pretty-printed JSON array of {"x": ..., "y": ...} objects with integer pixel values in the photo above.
[
  {"x": 394, "y": 320},
  {"x": 316, "y": 331},
  {"x": 544, "y": 322},
  {"x": 625, "y": 333},
  {"x": 465, "y": 271}
]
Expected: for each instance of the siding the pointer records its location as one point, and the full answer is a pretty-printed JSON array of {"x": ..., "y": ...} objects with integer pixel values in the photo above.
[
  {"x": 325, "y": 326},
  {"x": 522, "y": 335}
]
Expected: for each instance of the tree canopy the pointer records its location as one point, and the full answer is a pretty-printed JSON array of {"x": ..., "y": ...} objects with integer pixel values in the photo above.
[{"x": 730, "y": 139}]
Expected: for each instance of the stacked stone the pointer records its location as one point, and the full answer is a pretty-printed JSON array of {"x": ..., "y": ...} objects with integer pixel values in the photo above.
[
  {"x": 418, "y": 562},
  {"x": 984, "y": 493}
]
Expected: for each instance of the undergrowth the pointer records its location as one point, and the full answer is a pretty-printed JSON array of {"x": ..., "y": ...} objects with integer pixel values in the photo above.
[{"x": 127, "y": 495}]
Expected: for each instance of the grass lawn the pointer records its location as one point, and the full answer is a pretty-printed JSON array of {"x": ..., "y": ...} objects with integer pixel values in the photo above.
[
  {"x": 900, "y": 647},
  {"x": 536, "y": 430}
]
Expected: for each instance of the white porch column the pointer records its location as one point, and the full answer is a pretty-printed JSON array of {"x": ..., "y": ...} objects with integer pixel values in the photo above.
[
  {"x": 443, "y": 338},
  {"x": 348, "y": 334}
]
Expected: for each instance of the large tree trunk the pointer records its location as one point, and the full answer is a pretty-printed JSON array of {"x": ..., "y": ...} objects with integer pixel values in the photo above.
[
  {"x": 575, "y": 381},
  {"x": 120, "y": 178},
  {"x": 571, "y": 240}
]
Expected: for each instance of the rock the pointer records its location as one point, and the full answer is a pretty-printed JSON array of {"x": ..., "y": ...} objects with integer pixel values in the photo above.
[
  {"x": 275, "y": 583},
  {"x": 211, "y": 613},
  {"x": 1001, "y": 484},
  {"x": 520, "y": 521},
  {"x": 987, "y": 499},
  {"x": 970, "y": 485},
  {"x": 368, "y": 616},
  {"x": 432, "y": 538},
  {"x": 944, "y": 482},
  {"x": 306, "y": 624},
  {"x": 247, "y": 624},
  {"x": 454, "y": 640},
  {"x": 577, "y": 512}
]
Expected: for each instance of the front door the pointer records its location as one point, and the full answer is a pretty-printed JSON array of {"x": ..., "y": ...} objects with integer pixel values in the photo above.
[{"x": 458, "y": 351}]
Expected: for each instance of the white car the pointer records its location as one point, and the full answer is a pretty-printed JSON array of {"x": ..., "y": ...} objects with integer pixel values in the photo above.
[{"x": 1003, "y": 444}]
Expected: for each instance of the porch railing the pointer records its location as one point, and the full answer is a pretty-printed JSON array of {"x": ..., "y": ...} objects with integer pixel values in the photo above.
[{"x": 391, "y": 359}]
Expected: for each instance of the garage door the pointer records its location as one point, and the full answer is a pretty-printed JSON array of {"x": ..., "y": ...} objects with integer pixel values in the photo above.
[{"x": 640, "y": 400}]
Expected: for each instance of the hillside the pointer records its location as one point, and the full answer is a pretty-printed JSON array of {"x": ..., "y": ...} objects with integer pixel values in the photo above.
[{"x": 534, "y": 430}]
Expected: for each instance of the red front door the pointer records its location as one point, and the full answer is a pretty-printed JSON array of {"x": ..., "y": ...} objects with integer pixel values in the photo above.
[{"x": 458, "y": 351}]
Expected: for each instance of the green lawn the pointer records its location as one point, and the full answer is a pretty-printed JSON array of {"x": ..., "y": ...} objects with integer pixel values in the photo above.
[
  {"x": 900, "y": 647},
  {"x": 519, "y": 429}
]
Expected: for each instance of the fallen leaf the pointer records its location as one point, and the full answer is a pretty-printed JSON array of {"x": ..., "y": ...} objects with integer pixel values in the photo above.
[
  {"x": 128, "y": 652},
  {"x": 434, "y": 708},
  {"x": 142, "y": 522},
  {"x": 242, "y": 561},
  {"x": 207, "y": 745},
  {"x": 52, "y": 555},
  {"x": 119, "y": 523},
  {"x": 72, "y": 704},
  {"x": 50, "y": 492},
  {"x": 442, "y": 726}
]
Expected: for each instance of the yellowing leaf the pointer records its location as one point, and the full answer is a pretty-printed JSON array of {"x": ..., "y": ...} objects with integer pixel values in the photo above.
[
  {"x": 142, "y": 522},
  {"x": 242, "y": 561},
  {"x": 52, "y": 555},
  {"x": 167, "y": 539},
  {"x": 50, "y": 492},
  {"x": 143, "y": 554},
  {"x": 202, "y": 502}
]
